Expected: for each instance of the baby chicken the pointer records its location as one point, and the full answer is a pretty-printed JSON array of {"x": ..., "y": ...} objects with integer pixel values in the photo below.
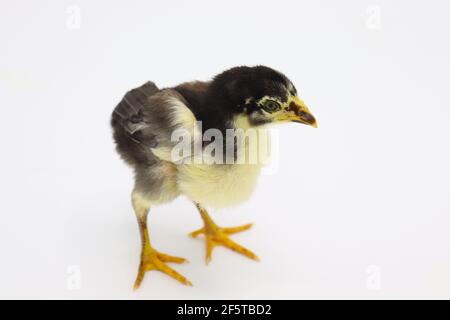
[{"x": 144, "y": 125}]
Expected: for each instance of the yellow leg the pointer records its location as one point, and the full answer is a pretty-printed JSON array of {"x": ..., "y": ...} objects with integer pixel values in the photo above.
[
  {"x": 215, "y": 236},
  {"x": 151, "y": 259}
]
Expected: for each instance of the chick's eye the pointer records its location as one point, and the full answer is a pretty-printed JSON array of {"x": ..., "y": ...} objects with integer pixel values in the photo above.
[{"x": 271, "y": 106}]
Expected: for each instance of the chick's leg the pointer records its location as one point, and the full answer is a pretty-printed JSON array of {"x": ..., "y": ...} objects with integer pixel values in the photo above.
[
  {"x": 215, "y": 236},
  {"x": 152, "y": 259}
]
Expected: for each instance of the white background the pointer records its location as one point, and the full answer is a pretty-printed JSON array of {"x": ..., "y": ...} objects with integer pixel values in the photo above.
[{"x": 359, "y": 208}]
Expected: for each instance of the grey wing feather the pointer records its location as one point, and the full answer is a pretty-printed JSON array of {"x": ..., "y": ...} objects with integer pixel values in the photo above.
[
  {"x": 128, "y": 123},
  {"x": 129, "y": 112},
  {"x": 143, "y": 120}
]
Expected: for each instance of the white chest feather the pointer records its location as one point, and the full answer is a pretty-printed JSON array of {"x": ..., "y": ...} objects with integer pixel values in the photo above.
[{"x": 218, "y": 186}]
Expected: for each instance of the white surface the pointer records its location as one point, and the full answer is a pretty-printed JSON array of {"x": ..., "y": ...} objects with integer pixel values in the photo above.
[{"x": 359, "y": 208}]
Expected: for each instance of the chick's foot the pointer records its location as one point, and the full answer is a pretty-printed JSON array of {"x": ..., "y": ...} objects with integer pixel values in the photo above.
[
  {"x": 215, "y": 236},
  {"x": 154, "y": 260}
]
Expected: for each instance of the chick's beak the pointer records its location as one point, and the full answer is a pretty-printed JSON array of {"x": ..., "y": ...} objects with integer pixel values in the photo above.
[{"x": 301, "y": 113}]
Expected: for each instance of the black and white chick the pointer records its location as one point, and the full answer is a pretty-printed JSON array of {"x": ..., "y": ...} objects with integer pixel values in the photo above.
[{"x": 144, "y": 122}]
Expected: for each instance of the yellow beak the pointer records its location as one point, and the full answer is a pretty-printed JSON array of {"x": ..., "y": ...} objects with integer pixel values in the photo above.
[{"x": 299, "y": 112}]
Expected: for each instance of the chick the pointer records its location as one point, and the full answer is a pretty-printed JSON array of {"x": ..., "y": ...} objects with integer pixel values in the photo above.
[{"x": 145, "y": 121}]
